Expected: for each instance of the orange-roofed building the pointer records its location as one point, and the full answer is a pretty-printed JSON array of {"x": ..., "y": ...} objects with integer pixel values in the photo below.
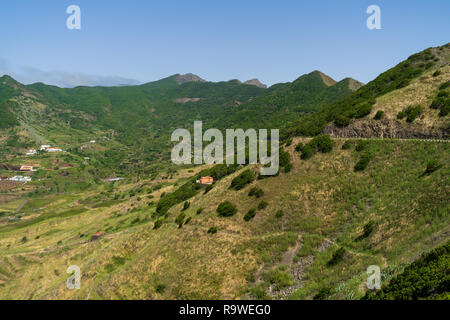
[
  {"x": 97, "y": 235},
  {"x": 206, "y": 180},
  {"x": 26, "y": 168}
]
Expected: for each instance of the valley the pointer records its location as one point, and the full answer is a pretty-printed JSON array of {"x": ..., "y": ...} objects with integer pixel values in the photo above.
[{"x": 363, "y": 181}]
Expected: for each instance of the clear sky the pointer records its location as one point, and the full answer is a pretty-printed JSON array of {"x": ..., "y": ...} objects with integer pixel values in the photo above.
[{"x": 275, "y": 41}]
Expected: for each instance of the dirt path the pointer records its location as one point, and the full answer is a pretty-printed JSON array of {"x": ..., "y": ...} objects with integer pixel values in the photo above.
[{"x": 392, "y": 139}]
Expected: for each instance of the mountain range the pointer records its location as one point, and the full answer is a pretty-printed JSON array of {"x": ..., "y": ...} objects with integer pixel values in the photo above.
[{"x": 363, "y": 182}]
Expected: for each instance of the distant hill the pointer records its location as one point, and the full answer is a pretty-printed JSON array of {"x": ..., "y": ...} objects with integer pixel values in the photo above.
[
  {"x": 144, "y": 116},
  {"x": 287, "y": 102}
]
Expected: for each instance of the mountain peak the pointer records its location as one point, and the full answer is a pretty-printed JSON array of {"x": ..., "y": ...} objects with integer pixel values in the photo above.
[
  {"x": 353, "y": 84},
  {"x": 327, "y": 80},
  {"x": 188, "y": 77},
  {"x": 256, "y": 82}
]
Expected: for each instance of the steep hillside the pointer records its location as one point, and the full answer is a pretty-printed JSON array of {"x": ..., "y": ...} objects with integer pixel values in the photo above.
[
  {"x": 336, "y": 207},
  {"x": 384, "y": 215},
  {"x": 392, "y": 90},
  {"x": 386, "y": 120}
]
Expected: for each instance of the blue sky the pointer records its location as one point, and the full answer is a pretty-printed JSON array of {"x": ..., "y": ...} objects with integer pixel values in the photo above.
[{"x": 275, "y": 41}]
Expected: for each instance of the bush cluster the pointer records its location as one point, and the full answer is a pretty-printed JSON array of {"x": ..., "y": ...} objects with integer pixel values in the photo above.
[
  {"x": 244, "y": 178},
  {"x": 411, "y": 113},
  {"x": 226, "y": 209},
  {"x": 250, "y": 214},
  {"x": 257, "y": 192},
  {"x": 337, "y": 257},
  {"x": 321, "y": 143},
  {"x": 363, "y": 162}
]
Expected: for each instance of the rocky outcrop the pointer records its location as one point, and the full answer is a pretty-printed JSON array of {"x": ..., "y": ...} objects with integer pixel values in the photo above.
[
  {"x": 353, "y": 84},
  {"x": 256, "y": 82},
  {"x": 387, "y": 128},
  {"x": 188, "y": 77},
  {"x": 185, "y": 100}
]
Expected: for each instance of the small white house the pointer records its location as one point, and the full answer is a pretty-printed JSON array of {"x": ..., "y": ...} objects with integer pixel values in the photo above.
[
  {"x": 54, "y": 150},
  {"x": 92, "y": 141},
  {"x": 44, "y": 147},
  {"x": 115, "y": 179},
  {"x": 31, "y": 152},
  {"x": 20, "y": 179}
]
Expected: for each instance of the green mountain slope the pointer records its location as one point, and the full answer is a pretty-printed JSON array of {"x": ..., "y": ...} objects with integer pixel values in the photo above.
[
  {"x": 336, "y": 207},
  {"x": 360, "y": 103},
  {"x": 289, "y": 101}
]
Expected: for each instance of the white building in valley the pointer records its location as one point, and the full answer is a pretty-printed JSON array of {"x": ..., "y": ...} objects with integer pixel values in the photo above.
[
  {"x": 20, "y": 179},
  {"x": 31, "y": 152}
]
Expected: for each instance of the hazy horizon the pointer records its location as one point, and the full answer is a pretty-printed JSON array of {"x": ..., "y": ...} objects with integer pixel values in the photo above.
[{"x": 274, "y": 42}]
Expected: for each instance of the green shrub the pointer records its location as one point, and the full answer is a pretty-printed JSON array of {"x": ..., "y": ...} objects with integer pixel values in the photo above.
[
  {"x": 379, "y": 115},
  {"x": 432, "y": 166},
  {"x": 119, "y": 261},
  {"x": 212, "y": 230},
  {"x": 307, "y": 152},
  {"x": 160, "y": 288},
  {"x": 299, "y": 147},
  {"x": 244, "y": 178},
  {"x": 341, "y": 121},
  {"x": 226, "y": 209},
  {"x": 362, "y": 144},
  {"x": 442, "y": 94},
  {"x": 257, "y": 192},
  {"x": 445, "y": 109},
  {"x": 337, "y": 257},
  {"x": 279, "y": 214},
  {"x": 288, "y": 168},
  {"x": 279, "y": 278},
  {"x": 437, "y": 103},
  {"x": 363, "y": 162},
  {"x": 444, "y": 86},
  {"x": 401, "y": 115},
  {"x": 259, "y": 292},
  {"x": 288, "y": 142},
  {"x": 368, "y": 229},
  {"x": 208, "y": 188},
  {"x": 347, "y": 145},
  {"x": 199, "y": 210},
  {"x": 413, "y": 112},
  {"x": 284, "y": 158},
  {"x": 158, "y": 223},
  {"x": 180, "y": 219},
  {"x": 437, "y": 73},
  {"x": 323, "y": 143},
  {"x": 186, "y": 205},
  {"x": 250, "y": 214},
  {"x": 363, "y": 110},
  {"x": 323, "y": 293},
  {"x": 262, "y": 205}
]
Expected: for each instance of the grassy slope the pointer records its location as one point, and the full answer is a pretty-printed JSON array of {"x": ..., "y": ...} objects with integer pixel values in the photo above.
[{"x": 322, "y": 199}]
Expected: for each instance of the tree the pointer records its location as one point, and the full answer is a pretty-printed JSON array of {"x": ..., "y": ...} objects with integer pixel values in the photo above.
[
  {"x": 226, "y": 209},
  {"x": 379, "y": 115}
]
